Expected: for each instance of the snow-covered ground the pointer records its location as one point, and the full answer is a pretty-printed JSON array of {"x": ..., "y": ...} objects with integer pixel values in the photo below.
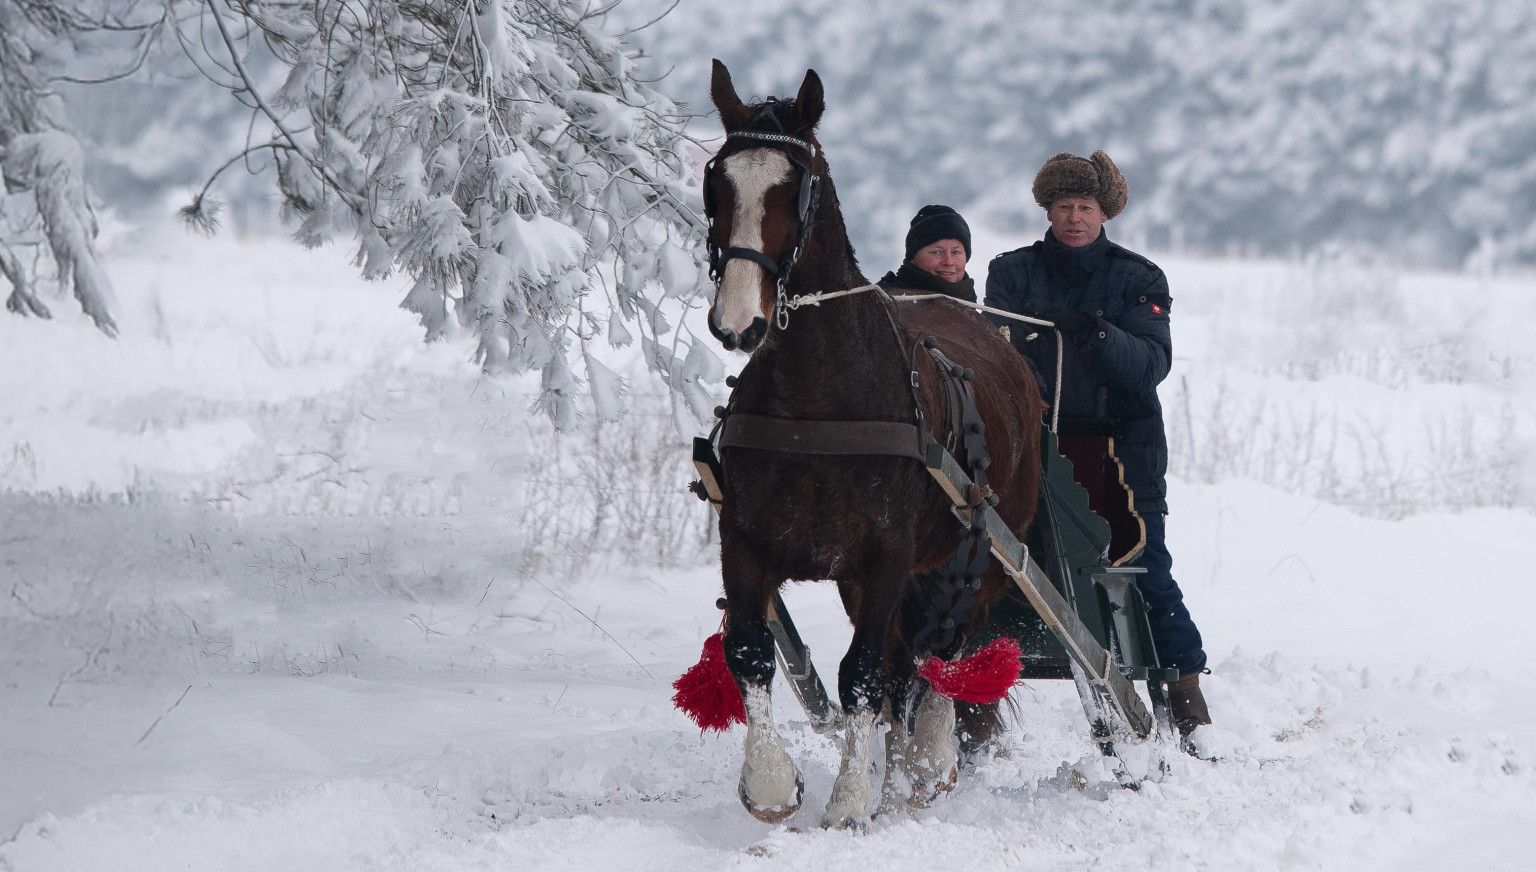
[{"x": 262, "y": 604}]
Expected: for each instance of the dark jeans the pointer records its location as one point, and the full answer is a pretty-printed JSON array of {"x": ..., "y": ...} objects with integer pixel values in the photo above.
[{"x": 1173, "y": 632}]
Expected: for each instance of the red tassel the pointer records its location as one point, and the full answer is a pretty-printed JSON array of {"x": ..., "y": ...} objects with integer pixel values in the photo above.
[
  {"x": 708, "y": 692},
  {"x": 981, "y": 677}
]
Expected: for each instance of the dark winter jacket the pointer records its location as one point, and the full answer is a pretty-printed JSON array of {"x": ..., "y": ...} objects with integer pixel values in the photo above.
[
  {"x": 1110, "y": 378},
  {"x": 910, "y": 278}
]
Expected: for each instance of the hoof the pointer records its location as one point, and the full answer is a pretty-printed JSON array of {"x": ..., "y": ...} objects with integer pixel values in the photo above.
[
  {"x": 776, "y": 813},
  {"x": 844, "y": 822},
  {"x": 926, "y": 793}
]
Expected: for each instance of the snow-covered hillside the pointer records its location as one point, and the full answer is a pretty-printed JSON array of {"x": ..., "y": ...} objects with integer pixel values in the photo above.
[
  {"x": 1400, "y": 127},
  {"x": 265, "y": 602},
  {"x": 1403, "y": 127}
]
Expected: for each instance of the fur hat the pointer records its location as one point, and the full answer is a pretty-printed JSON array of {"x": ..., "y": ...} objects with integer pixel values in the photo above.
[
  {"x": 1067, "y": 175},
  {"x": 933, "y": 223}
]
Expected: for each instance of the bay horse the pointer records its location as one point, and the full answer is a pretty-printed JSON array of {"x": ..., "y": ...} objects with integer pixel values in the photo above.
[{"x": 871, "y": 523}]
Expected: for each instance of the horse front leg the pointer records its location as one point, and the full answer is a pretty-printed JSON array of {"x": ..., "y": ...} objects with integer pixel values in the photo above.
[
  {"x": 863, "y": 688},
  {"x": 770, "y": 786}
]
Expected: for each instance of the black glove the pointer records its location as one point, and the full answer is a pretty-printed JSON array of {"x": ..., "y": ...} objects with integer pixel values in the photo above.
[{"x": 1076, "y": 326}]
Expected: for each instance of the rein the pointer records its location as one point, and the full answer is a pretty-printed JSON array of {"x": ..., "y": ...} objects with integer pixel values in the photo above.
[
  {"x": 806, "y": 436},
  {"x": 818, "y": 298}
]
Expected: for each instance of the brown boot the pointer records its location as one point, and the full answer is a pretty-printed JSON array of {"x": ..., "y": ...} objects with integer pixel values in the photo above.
[{"x": 1187, "y": 704}]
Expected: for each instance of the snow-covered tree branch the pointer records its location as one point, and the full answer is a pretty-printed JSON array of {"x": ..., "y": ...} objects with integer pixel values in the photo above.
[
  {"x": 500, "y": 153},
  {"x": 46, "y": 205}
]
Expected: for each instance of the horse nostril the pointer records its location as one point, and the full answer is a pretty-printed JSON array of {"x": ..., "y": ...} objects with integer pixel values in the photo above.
[
  {"x": 753, "y": 335},
  {"x": 728, "y": 338}
]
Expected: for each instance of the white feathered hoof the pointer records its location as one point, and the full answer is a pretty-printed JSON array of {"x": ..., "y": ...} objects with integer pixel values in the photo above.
[
  {"x": 771, "y": 811},
  {"x": 848, "y": 809},
  {"x": 933, "y": 757},
  {"x": 770, "y": 786},
  {"x": 848, "y": 822},
  {"x": 927, "y": 791}
]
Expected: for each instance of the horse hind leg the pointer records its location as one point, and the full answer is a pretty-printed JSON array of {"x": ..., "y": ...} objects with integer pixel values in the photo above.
[
  {"x": 979, "y": 726},
  {"x": 920, "y": 763},
  {"x": 933, "y": 756},
  {"x": 945, "y": 733}
]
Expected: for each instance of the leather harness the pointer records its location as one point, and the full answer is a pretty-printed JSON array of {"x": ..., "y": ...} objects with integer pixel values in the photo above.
[
  {"x": 947, "y": 594},
  {"x": 801, "y": 436}
]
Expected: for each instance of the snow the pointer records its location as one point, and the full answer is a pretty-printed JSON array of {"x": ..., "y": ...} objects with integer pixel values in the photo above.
[{"x": 262, "y": 608}]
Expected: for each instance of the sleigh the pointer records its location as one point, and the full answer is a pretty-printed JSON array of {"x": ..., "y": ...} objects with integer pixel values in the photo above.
[{"x": 1075, "y": 607}]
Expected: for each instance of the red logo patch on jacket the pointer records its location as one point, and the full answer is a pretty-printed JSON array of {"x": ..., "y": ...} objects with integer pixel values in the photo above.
[{"x": 1156, "y": 309}]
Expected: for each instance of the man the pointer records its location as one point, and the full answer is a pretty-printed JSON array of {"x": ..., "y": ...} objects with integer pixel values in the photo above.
[
  {"x": 1111, "y": 306},
  {"x": 938, "y": 248}
]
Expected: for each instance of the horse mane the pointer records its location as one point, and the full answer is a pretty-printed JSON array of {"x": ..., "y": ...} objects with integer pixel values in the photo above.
[{"x": 772, "y": 115}]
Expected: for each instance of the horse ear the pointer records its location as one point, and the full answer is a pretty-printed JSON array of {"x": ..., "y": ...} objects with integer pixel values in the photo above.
[
  {"x": 733, "y": 113},
  {"x": 809, "y": 102}
]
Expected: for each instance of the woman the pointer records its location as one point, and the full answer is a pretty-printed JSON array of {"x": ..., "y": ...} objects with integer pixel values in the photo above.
[{"x": 938, "y": 247}]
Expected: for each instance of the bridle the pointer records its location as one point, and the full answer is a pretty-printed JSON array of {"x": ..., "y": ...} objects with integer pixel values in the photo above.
[{"x": 810, "y": 193}]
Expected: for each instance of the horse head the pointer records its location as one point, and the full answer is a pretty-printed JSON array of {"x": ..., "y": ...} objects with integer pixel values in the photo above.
[{"x": 760, "y": 195}]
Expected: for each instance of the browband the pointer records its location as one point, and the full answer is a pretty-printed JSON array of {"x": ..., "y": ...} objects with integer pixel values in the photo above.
[{"x": 773, "y": 137}]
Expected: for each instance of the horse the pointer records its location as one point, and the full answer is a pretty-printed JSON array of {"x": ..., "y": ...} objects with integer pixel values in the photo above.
[{"x": 871, "y": 523}]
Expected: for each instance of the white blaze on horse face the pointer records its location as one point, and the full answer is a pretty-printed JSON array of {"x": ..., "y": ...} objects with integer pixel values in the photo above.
[{"x": 752, "y": 173}]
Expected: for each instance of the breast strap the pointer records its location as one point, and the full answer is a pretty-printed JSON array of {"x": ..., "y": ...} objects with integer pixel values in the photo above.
[{"x": 800, "y": 436}]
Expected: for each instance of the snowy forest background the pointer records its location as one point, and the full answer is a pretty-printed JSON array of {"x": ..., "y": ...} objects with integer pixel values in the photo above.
[
  {"x": 1402, "y": 130},
  {"x": 1351, "y": 144},
  {"x": 290, "y": 587}
]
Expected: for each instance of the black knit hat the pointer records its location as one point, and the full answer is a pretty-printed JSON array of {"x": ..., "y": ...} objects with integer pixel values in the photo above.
[{"x": 932, "y": 223}]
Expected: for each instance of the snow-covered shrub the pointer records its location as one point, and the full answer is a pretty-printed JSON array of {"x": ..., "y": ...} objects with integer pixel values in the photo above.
[
  {"x": 616, "y": 490},
  {"x": 45, "y": 208},
  {"x": 1356, "y": 383}
]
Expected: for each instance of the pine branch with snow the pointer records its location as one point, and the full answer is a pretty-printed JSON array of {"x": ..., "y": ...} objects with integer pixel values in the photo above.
[
  {"x": 49, "y": 204},
  {"x": 500, "y": 153}
]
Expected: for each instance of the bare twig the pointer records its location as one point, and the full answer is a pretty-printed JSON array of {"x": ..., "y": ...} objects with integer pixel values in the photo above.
[
  {"x": 633, "y": 30},
  {"x": 277, "y": 121},
  {"x": 90, "y": 660},
  {"x": 163, "y": 714},
  {"x": 421, "y": 625},
  {"x": 600, "y": 628}
]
